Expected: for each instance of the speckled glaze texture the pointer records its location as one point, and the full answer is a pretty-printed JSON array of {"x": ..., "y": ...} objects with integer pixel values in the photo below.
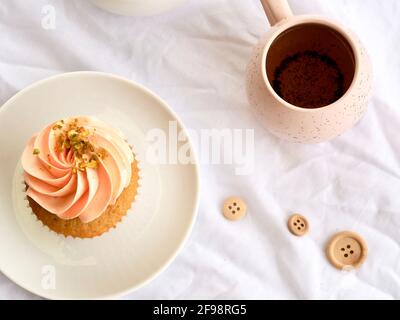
[{"x": 301, "y": 125}]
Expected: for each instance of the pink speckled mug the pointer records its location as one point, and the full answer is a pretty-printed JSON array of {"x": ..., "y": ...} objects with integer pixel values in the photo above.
[{"x": 292, "y": 42}]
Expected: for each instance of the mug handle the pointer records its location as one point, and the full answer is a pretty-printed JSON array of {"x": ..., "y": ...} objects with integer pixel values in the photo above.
[{"x": 276, "y": 10}]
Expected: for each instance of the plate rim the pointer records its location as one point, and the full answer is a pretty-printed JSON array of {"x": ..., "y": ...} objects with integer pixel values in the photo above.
[{"x": 195, "y": 166}]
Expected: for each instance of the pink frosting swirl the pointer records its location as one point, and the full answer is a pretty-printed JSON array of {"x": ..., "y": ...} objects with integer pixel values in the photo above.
[{"x": 57, "y": 187}]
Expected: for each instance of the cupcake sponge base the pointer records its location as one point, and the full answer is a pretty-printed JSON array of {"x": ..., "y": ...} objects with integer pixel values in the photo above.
[{"x": 109, "y": 219}]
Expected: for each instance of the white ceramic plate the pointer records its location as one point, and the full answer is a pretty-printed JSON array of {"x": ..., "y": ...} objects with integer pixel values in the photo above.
[
  {"x": 147, "y": 239},
  {"x": 137, "y": 7}
]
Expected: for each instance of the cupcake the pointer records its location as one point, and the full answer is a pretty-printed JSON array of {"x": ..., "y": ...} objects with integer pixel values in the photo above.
[{"x": 81, "y": 176}]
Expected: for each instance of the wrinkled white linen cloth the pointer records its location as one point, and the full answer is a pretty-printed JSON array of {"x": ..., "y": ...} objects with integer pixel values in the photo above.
[{"x": 195, "y": 58}]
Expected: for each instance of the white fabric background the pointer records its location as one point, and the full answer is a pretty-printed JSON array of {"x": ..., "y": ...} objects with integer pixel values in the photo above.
[{"x": 195, "y": 57}]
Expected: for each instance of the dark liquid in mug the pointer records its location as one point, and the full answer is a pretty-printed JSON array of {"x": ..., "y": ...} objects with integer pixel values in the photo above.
[{"x": 310, "y": 65}]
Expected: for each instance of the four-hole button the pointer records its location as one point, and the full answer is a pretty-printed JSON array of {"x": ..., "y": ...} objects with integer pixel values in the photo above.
[
  {"x": 234, "y": 208},
  {"x": 346, "y": 249},
  {"x": 298, "y": 225}
]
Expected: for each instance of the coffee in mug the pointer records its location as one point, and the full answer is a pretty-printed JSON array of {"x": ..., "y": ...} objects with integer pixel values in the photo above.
[
  {"x": 309, "y": 78},
  {"x": 310, "y": 65}
]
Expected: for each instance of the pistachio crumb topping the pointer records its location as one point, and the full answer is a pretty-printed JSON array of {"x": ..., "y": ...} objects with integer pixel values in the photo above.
[
  {"x": 72, "y": 137},
  {"x": 36, "y": 151}
]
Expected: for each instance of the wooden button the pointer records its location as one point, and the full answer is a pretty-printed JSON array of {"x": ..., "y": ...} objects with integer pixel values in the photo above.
[
  {"x": 298, "y": 225},
  {"x": 346, "y": 249},
  {"x": 234, "y": 208}
]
